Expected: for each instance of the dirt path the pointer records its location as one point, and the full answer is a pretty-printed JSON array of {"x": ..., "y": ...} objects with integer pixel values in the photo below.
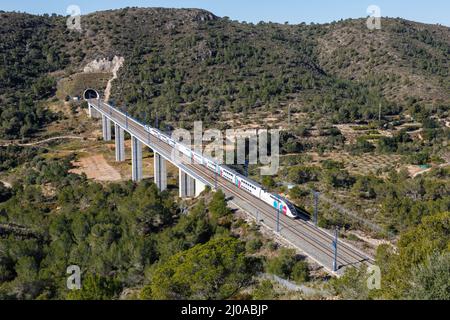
[
  {"x": 415, "y": 171},
  {"x": 116, "y": 68},
  {"x": 95, "y": 167},
  {"x": 7, "y": 184},
  {"x": 293, "y": 286},
  {"x": 41, "y": 141}
]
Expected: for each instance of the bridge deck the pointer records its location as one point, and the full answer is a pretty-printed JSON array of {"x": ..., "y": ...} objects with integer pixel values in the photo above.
[{"x": 314, "y": 242}]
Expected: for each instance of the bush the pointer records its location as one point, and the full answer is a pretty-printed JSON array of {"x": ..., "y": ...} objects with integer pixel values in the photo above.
[
  {"x": 95, "y": 287},
  {"x": 338, "y": 178},
  {"x": 253, "y": 245},
  {"x": 268, "y": 182},
  {"x": 272, "y": 246},
  {"x": 218, "y": 207},
  {"x": 215, "y": 270},
  {"x": 301, "y": 174},
  {"x": 364, "y": 187},
  {"x": 300, "y": 272},
  {"x": 44, "y": 87},
  {"x": 361, "y": 146},
  {"x": 283, "y": 264},
  {"x": 264, "y": 291},
  {"x": 419, "y": 158},
  {"x": 298, "y": 193},
  {"x": 331, "y": 164}
]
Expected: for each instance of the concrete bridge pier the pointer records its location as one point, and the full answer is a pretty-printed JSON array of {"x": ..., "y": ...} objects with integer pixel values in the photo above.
[
  {"x": 136, "y": 159},
  {"x": 120, "y": 143},
  {"x": 93, "y": 113},
  {"x": 160, "y": 170},
  {"x": 199, "y": 187},
  {"x": 106, "y": 128},
  {"x": 187, "y": 185}
]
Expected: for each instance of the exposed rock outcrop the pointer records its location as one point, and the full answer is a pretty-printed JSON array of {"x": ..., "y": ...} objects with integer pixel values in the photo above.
[{"x": 104, "y": 65}]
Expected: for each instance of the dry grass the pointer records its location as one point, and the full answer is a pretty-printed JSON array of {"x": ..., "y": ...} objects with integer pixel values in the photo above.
[
  {"x": 95, "y": 167},
  {"x": 75, "y": 84}
]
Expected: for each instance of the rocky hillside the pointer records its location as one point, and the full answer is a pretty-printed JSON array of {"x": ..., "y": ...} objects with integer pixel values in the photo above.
[
  {"x": 405, "y": 59},
  {"x": 189, "y": 64}
]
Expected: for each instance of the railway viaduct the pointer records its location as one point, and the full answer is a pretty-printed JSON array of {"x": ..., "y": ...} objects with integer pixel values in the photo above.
[
  {"x": 190, "y": 184},
  {"x": 300, "y": 233}
]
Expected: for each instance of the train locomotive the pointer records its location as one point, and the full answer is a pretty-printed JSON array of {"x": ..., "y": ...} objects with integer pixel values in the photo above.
[{"x": 241, "y": 182}]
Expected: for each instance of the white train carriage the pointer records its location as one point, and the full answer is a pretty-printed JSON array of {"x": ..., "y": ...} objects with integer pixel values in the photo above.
[
  {"x": 211, "y": 165},
  {"x": 152, "y": 131},
  {"x": 241, "y": 182},
  {"x": 184, "y": 150},
  {"x": 155, "y": 132},
  {"x": 197, "y": 159},
  {"x": 164, "y": 138},
  {"x": 248, "y": 185},
  {"x": 227, "y": 174},
  {"x": 266, "y": 197},
  {"x": 172, "y": 143},
  {"x": 279, "y": 203},
  {"x": 160, "y": 136}
]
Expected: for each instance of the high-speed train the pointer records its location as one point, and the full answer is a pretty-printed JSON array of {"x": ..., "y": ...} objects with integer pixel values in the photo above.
[{"x": 240, "y": 181}]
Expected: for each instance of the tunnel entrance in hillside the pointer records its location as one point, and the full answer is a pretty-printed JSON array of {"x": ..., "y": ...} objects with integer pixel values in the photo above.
[{"x": 90, "y": 94}]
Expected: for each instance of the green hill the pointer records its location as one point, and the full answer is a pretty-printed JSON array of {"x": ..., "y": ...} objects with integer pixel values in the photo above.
[{"x": 188, "y": 64}]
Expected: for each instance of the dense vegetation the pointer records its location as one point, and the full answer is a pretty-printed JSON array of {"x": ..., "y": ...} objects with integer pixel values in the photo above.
[
  {"x": 401, "y": 202},
  {"x": 128, "y": 236},
  {"x": 121, "y": 236},
  {"x": 419, "y": 269},
  {"x": 184, "y": 65},
  {"x": 28, "y": 55}
]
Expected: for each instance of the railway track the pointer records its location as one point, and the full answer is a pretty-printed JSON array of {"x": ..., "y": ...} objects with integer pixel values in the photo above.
[
  {"x": 316, "y": 238},
  {"x": 269, "y": 213}
]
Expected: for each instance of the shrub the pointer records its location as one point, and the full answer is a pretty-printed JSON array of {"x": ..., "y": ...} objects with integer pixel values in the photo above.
[
  {"x": 253, "y": 245},
  {"x": 300, "y": 272},
  {"x": 283, "y": 264}
]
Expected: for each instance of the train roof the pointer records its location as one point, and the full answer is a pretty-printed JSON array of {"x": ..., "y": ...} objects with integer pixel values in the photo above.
[
  {"x": 256, "y": 184},
  {"x": 214, "y": 160}
]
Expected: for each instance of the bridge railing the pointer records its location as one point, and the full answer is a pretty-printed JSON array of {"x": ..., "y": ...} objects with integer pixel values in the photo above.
[{"x": 147, "y": 143}]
